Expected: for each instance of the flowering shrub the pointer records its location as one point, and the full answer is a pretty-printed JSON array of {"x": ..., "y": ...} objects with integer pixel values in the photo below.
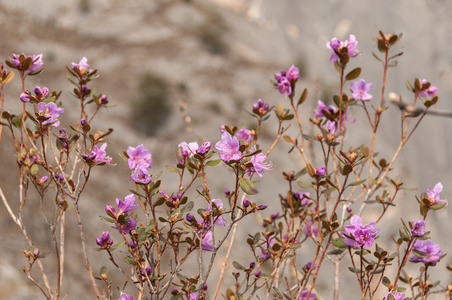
[{"x": 152, "y": 235}]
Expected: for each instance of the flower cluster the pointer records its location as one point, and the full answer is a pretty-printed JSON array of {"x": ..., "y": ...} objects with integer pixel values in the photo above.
[
  {"x": 98, "y": 155},
  {"x": 358, "y": 235},
  {"x": 339, "y": 48},
  {"x": 286, "y": 80},
  {"x": 50, "y": 111},
  {"x": 139, "y": 160},
  {"x": 432, "y": 250}
]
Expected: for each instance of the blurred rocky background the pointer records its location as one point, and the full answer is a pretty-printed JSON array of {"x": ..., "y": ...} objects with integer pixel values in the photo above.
[{"x": 215, "y": 58}]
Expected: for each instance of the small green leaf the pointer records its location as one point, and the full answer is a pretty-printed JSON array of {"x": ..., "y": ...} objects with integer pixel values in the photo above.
[
  {"x": 34, "y": 169},
  {"x": 339, "y": 243},
  {"x": 238, "y": 266},
  {"x": 386, "y": 281},
  {"x": 310, "y": 169},
  {"x": 353, "y": 74},
  {"x": 173, "y": 169},
  {"x": 104, "y": 271},
  {"x": 129, "y": 260},
  {"x": 136, "y": 193},
  {"x": 213, "y": 162},
  {"x": 336, "y": 251},
  {"x": 358, "y": 182},
  {"x": 248, "y": 186},
  {"x": 304, "y": 185},
  {"x": 303, "y": 97},
  {"x": 353, "y": 270},
  {"x": 187, "y": 207}
]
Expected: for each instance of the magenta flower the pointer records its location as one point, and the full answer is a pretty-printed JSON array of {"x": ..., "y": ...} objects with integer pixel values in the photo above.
[
  {"x": 192, "y": 296},
  {"x": 99, "y": 154},
  {"x": 104, "y": 241},
  {"x": 139, "y": 156},
  {"x": 24, "y": 97},
  {"x": 51, "y": 111},
  {"x": 127, "y": 205},
  {"x": 110, "y": 210},
  {"x": 146, "y": 272},
  {"x": 219, "y": 220},
  {"x": 309, "y": 266},
  {"x": 244, "y": 135},
  {"x": 322, "y": 107},
  {"x": 293, "y": 73},
  {"x": 304, "y": 295},
  {"x": 82, "y": 66},
  {"x": 37, "y": 62},
  {"x": 418, "y": 229},
  {"x": 188, "y": 150},
  {"x": 395, "y": 294},
  {"x": 204, "y": 148},
  {"x": 266, "y": 248},
  {"x": 207, "y": 241},
  {"x": 361, "y": 90},
  {"x": 141, "y": 175},
  {"x": 361, "y": 235},
  {"x": 124, "y": 296},
  {"x": 311, "y": 231},
  {"x": 431, "y": 249},
  {"x": 332, "y": 127},
  {"x": 335, "y": 46},
  {"x": 321, "y": 171},
  {"x": 284, "y": 86},
  {"x": 128, "y": 227},
  {"x": 429, "y": 92},
  {"x": 259, "y": 164},
  {"x": 260, "y": 107},
  {"x": 229, "y": 147},
  {"x": 433, "y": 195}
]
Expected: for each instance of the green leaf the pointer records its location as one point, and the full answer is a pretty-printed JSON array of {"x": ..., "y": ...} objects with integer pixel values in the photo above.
[
  {"x": 339, "y": 243},
  {"x": 347, "y": 169},
  {"x": 159, "y": 202},
  {"x": 386, "y": 281},
  {"x": 187, "y": 207},
  {"x": 104, "y": 271},
  {"x": 353, "y": 270},
  {"x": 238, "y": 266},
  {"x": 173, "y": 169},
  {"x": 116, "y": 246},
  {"x": 353, "y": 74},
  {"x": 304, "y": 185},
  {"x": 34, "y": 169},
  {"x": 328, "y": 190},
  {"x": 136, "y": 193},
  {"x": 310, "y": 169},
  {"x": 303, "y": 97},
  {"x": 248, "y": 186},
  {"x": 213, "y": 162},
  {"x": 129, "y": 260},
  {"x": 336, "y": 251},
  {"x": 377, "y": 57},
  {"x": 358, "y": 182}
]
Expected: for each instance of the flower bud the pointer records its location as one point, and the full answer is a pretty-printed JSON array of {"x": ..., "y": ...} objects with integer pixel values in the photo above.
[
  {"x": 252, "y": 264},
  {"x": 36, "y": 252},
  {"x": 227, "y": 192},
  {"x": 321, "y": 171},
  {"x": 25, "y": 97},
  {"x": 258, "y": 273},
  {"x": 246, "y": 202},
  {"x": 189, "y": 217},
  {"x": 261, "y": 207}
]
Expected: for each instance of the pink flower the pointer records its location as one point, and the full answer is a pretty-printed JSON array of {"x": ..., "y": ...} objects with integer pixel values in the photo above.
[
  {"x": 433, "y": 194},
  {"x": 139, "y": 156},
  {"x": 418, "y": 229},
  {"x": 188, "y": 150},
  {"x": 51, "y": 111},
  {"x": 141, "y": 175},
  {"x": 431, "y": 249},
  {"x": 207, "y": 241},
  {"x": 360, "y": 90},
  {"x": 219, "y": 220},
  {"x": 104, "y": 241},
  {"x": 37, "y": 62},
  {"x": 229, "y": 147},
  {"x": 99, "y": 154},
  {"x": 127, "y": 205},
  {"x": 259, "y": 164},
  {"x": 284, "y": 87},
  {"x": 429, "y": 92},
  {"x": 124, "y": 296},
  {"x": 361, "y": 235},
  {"x": 396, "y": 295},
  {"x": 304, "y": 295},
  {"x": 322, "y": 107},
  {"x": 82, "y": 66},
  {"x": 244, "y": 135},
  {"x": 335, "y": 46}
]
